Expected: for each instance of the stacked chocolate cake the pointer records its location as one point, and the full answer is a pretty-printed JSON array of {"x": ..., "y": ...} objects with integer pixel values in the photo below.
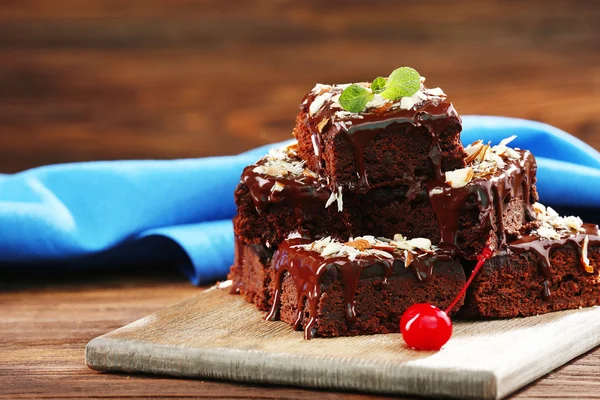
[{"x": 372, "y": 211}]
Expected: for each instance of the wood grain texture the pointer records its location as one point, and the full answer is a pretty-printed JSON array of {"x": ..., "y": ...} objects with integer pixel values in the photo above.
[
  {"x": 217, "y": 335},
  {"x": 111, "y": 79},
  {"x": 46, "y": 322}
]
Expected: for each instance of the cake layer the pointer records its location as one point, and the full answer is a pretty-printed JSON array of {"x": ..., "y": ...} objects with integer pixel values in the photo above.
[
  {"x": 330, "y": 288},
  {"x": 555, "y": 267},
  {"x": 279, "y": 195},
  {"x": 414, "y": 139}
]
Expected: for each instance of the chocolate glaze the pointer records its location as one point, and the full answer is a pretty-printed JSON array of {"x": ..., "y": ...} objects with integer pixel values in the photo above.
[
  {"x": 433, "y": 114},
  {"x": 306, "y": 268},
  {"x": 307, "y": 192},
  {"x": 298, "y": 190},
  {"x": 491, "y": 194},
  {"x": 542, "y": 248}
]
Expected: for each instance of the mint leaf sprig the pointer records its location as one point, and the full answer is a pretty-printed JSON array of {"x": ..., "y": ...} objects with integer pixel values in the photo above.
[{"x": 402, "y": 82}]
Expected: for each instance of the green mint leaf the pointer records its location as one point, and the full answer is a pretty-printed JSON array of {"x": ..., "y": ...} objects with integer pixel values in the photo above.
[
  {"x": 355, "y": 97},
  {"x": 402, "y": 82},
  {"x": 378, "y": 84}
]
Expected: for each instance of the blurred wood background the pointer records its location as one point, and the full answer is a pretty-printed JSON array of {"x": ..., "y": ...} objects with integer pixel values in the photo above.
[{"x": 86, "y": 80}]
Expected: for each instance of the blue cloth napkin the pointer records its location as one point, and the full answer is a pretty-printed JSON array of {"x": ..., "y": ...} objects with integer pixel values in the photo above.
[{"x": 84, "y": 215}]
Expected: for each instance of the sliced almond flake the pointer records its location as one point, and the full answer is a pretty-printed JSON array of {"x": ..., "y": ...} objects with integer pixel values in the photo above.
[
  {"x": 259, "y": 170},
  {"x": 484, "y": 154},
  {"x": 551, "y": 212},
  {"x": 408, "y": 258},
  {"x": 474, "y": 153},
  {"x": 340, "y": 201},
  {"x": 309, "y": 173},
  {"x": 403, "y": 245},
  {"x": 359, "y": 244},
  {"x": 584, "y": 255},
  {"x": 320, "y": 88},
  {"x": 331, "y": 248},
  {"x": 294, "y": 235},
  {"x": 377, "y": 102},
  {"x": 352, "y": 253},
  {"x": 398, "y": 237},
  {"x": 384, "y": 247},
  {"x": 421, "y": 96},
  {"x": 574, "y": 223},
  {"x": 322, "y": 124},
  {"x": 318, "y": 102},
  {"x": 406, "y": 103},
  {"x": 420, "y": 243},
  {"x": 344, "y": 114},
  {"x": 539, "y": 208},
  {"x": 513, "y": 153},
  {"x": 277, "y": 187},
  {"x": 380, "y": 253},
  {"x": 547, "y": 232},
  {"x": 500, "y": 149},
  {"x": 494, "y": 158},
  {"x": 435, "y": 92},
  {"x": 459, "y": 177},
  {"x": 331, "y": 199},
  {"x": 369, "y": 238},
  {"x": 507, "y": 140}
]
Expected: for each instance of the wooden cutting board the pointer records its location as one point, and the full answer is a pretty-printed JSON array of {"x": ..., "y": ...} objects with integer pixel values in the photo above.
[{"x": 218, "y": 335}]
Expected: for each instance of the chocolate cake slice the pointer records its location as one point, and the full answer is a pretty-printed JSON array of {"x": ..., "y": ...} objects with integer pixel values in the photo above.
[
  {"x": 363, "y": 286},
  {"x": 391, "y": 142},
  {"x": 487, "y": 202},
  {"x": 279, "y": 195},
  {"x": 554, "y": 267}
]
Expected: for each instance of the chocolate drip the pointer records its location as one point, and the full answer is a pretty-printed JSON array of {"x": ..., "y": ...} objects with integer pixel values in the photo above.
[
  {"x": 490, "y": 193},
  {"x": 432, "y": 114},
  {"x": 307, "y": 267},
  {"x": 542, "y": 249}
]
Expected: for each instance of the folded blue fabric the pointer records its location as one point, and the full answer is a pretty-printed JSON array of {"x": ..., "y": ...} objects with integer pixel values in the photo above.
[{"x": 85, "y": 215}]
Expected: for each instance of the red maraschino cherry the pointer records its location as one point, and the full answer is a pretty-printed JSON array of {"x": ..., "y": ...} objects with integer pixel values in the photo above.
[{"x": 426, "y": 327}]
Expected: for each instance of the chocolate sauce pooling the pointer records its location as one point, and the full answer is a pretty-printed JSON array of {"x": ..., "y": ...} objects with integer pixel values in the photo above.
[
  {"x": 434, "y": 114},
  {"x": 542, "y": 248},
  {"x": 491, "y": 193},
  {"x": 307, "y": 267}
]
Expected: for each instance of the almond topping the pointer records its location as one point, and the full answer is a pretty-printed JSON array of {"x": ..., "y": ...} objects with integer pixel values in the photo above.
[
  {"x": 420, "y": 243},
  {"x": 322, "y": 124},
  {"x": 384, "y": 247},
  {"x": 584, "y": 255},
  {"x": 459, "y": 177},
  {"x": 309, "y": 173},
  {"x": 359, "y": 244},
  {"x": 408, "y": 258},
  {"x": 277, "y": 187}
]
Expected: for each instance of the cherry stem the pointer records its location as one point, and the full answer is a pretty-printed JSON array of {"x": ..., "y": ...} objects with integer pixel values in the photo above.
[{"x": 485, "y": 255}]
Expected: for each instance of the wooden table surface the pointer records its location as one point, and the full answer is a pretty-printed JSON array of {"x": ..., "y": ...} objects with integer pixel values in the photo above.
[{"x": 46, "y": 322}]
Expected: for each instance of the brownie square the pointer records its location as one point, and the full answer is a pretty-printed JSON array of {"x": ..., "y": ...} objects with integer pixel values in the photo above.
[
  {"x": 359, "y": 293},
  {"x": 387, "y": 144},
  {"x": 536, "y": 275}
]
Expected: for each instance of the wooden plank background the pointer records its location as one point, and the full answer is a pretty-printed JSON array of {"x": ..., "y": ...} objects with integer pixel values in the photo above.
[{"x": 87, "y": 80}]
